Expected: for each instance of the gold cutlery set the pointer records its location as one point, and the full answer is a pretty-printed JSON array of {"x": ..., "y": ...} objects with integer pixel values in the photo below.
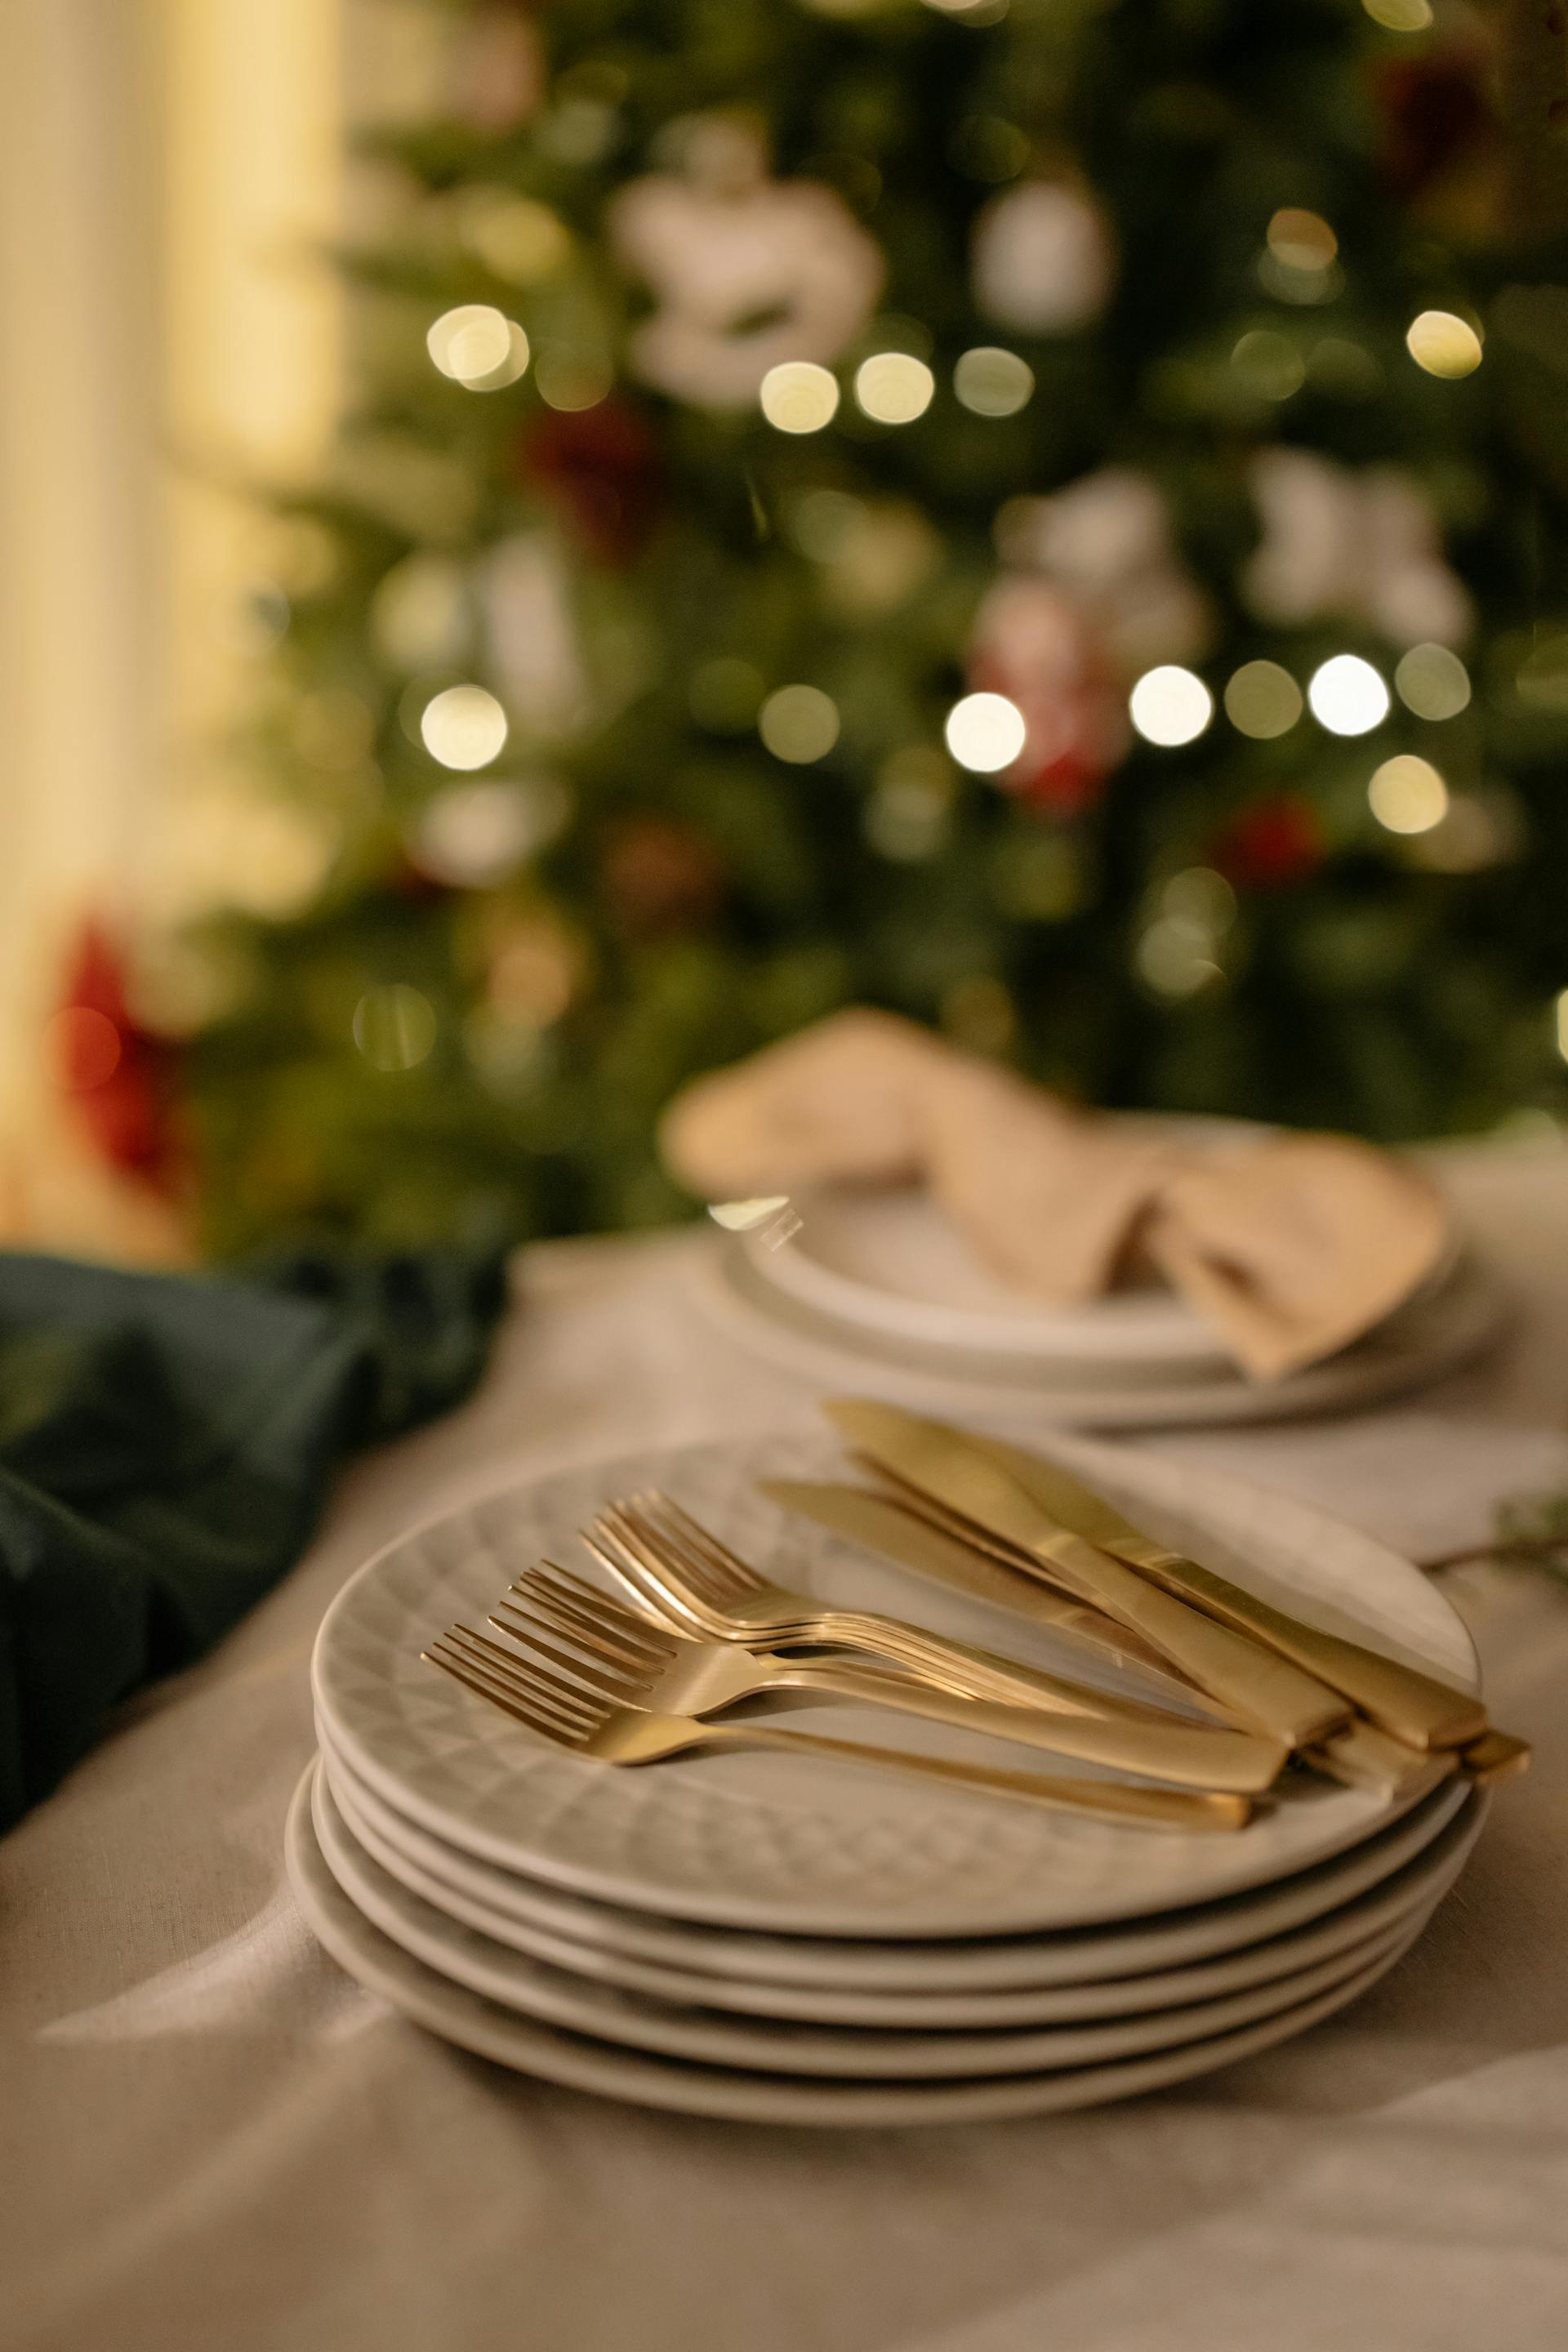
[
  {"x": 1218, "y": 1692},
  {"x": 971, "y": 1677}
]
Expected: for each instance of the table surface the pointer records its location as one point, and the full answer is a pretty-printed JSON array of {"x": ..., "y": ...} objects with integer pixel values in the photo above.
[{"x": 209, "y": 2138}]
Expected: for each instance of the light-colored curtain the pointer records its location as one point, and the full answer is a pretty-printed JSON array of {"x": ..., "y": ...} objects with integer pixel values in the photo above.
[
  {"x": 81, "y": 591},
  {"x": 172, "y": 172}
]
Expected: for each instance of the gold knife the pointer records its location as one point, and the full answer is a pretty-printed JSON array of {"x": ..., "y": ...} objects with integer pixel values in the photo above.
[
  {"x": 983, "y": 1568},
  {"x": 1414, "y": 1706},
  {"x": 880, "y": 1524},
  {"x": 1255, "y": 1683}
]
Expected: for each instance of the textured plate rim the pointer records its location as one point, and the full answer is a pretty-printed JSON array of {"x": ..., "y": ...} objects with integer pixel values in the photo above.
[
  {"x": 1422, "y": 1881},
  {"x": 1387, "y": 1364},
  {"x": 1124, "y": 1948},
  {"x": 1155, "y": 1329},
  {"x": 796, "y": 2047},
  {"x": 726, "y": 1906},
  {"x": 455, "y": 2015}
]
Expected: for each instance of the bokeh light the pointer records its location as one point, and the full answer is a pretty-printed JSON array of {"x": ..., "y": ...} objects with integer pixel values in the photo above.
[
  {"x": 1302, "y": 240},
  {"x": 798, "y": 396},
  {"x": 1444, "y": 345},
  {"x": 1199, "y": 897},
  {"x": 1269, "y": 365},
  {"x": 477, "y": 346},
  {"x": 1173, "y": 958},
  {"x": 1170, "y": 705},
  {"x": 515, "y": 236},
  {"x": 1299, "y": 262},
  {"x": 894, "y": 388},
  {"x": 799, "y": 723},
  {"x": 1562, "y": 1024},
  {"x": 395, "y": 1027},
  {"x": 463, "y": 726},
  {"x": 533, "y": 975},
  {"x": 1433, "y": 682},
  {"x": 822, "y": 523},
  {"x": 991, "y": 381},
  {"x": 571, "y": 378},
  {"x": 1348, "y": 696},
  {"x": 985, "y": 732},
  {"x": 1400, "y": 16},
  {"x": 1262, "y": 701},
  {"x": 1408, "y": 795}
]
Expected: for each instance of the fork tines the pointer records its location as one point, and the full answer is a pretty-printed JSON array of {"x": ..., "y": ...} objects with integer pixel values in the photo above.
[
  {"x": 646, "y": 1540},
  {"x": 523, "y": 1675},
  {"x": 531, "y": 1701}
]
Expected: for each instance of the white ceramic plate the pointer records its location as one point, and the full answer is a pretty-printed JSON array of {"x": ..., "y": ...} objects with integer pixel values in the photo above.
[
  {"x": 493, "y": 2031},
  {"x": 1417, "y": 1888},
  {"x": 779, "y": 2046},
  {"x": 808, "y": 1846},
  {"x": 1434, "y": 1334},
  {"x": 890, "y": 1262}
]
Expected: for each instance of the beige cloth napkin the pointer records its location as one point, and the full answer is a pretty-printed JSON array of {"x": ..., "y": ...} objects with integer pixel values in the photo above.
[{"x": 1290, "y": 1248}]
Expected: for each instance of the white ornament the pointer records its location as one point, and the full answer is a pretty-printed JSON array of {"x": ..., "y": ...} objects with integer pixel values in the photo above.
[
  {"x": 1043, "y": 260},
  {"x": 475, "y": 836},
  {"x": 531, "y": 635},
  {"x": 1310, "y": 511},
  {"x": 720, "y": 256},
  {"x": 1106, "y": 542},
  {"x": 1365, "y": 545},
  {"x": 1412, "y": 595}
]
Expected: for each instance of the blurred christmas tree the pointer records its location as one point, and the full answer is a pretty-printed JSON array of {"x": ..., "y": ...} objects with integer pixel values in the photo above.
[{"x": 1037, "y": 513}]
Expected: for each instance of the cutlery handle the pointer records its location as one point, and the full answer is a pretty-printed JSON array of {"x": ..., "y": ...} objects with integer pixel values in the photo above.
[
  {"x": 1256, "y": 1684},
  {"x": 1166, "y": 1809},
  {"x": 1195, "y": 1756},
  {"x": 1365, "y": 1757},
  {"x": 976, "y": 1673},
  {"x": 1400, "y": 1699}
]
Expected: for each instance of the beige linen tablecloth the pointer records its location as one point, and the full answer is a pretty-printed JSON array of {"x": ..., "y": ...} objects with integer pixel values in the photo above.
[{"x": 210, "y": 2138}]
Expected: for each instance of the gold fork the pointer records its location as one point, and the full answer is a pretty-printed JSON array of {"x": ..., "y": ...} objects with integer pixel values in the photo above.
[
  {"x": 588, "y": 1723},
  {"x": 629, "y": 1658},
  {"x": 712, "y": 1591}
]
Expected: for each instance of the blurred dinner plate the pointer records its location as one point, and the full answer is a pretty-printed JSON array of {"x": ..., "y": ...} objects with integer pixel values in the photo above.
[{"x": 1443, "y": 1328}]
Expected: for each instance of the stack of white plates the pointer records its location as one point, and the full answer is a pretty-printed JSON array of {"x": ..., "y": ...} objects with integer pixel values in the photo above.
[
  {"x": 878, "y": 1290},
  {"x": 798, "y": 1940}
]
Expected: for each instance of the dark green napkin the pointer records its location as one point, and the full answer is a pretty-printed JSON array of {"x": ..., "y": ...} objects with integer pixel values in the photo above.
[{"x": 166, "y": 1445}]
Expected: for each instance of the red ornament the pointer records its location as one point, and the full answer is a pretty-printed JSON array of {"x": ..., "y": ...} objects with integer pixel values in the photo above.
[
  {"x": 1033, "y": 645},
  {"x": 660, "y": 877},
  {"x": 602, "y": 465},
  {"x": 1270, "y": 844},
  {"x": 1434, "y": 115},
  {"x": 120, "y": 1076}
]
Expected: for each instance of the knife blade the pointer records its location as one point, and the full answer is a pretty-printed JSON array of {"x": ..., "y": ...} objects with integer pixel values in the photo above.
[
  {"x": 879, "y": 1524},
  {"x": 1254, "y": 1682},
  {"x": 947, "y": 1550},
  {"x": 1414, "y": 1706}
]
